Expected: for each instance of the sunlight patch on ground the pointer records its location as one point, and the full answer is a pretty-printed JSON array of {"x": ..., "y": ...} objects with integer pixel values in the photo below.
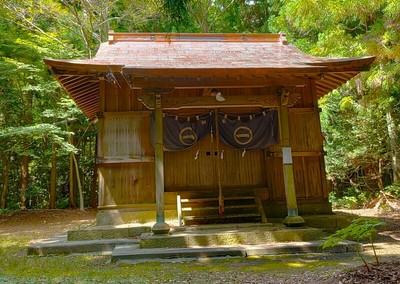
[
  {"x": 296, "y": 264},
  {"x": 12, "y": 242}
]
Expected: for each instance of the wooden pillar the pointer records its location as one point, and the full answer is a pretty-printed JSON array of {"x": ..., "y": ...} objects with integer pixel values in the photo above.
[
  {"x": 100, "y": 145},
  {"x": 160, "y": 227},
  {"x": 293, "y": 219}
]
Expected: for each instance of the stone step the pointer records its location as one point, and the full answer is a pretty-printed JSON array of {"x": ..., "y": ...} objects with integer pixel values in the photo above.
[
  {"x": 131, "y": 253},
  {"x": 108, "y": 232},
  {"x": 60, "y": 245},
  {"x": 229, "y": 237}
]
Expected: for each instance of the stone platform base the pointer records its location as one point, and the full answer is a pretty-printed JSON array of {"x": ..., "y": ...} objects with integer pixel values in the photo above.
[{"x": 135, "y": 242}]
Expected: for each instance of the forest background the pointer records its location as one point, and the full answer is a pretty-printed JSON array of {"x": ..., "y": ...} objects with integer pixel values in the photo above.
[{"x": 47, "y": 146}]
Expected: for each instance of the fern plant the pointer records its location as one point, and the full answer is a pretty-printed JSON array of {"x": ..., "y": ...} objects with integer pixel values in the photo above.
[{"x": 359, "y": 229}]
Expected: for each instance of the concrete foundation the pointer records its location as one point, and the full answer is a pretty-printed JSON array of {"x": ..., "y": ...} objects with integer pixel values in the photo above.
[
  {"x": 279, "y": 210},
  {"x": 129, "y": 216}
]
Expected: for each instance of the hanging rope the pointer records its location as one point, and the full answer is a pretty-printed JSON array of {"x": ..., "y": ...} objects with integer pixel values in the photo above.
[
  {"x": 212, "y": 156},
  {"x": 220, "y": 196}
]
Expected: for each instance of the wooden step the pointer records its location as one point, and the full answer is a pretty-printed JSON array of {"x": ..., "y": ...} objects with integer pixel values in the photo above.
[
  {"x": 209, "y": 199},
  {"x": 214, "y": 193},
  {"x": 217, "y": 207},
  {"x": 218, "y": 219},
  {"x": 240, "y": 206},
  {"x": 223, "y": 216},
  {"x": 229, "y": 210}
]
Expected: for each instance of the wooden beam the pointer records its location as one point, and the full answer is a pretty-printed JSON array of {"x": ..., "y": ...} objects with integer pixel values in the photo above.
[
  {"x": 176, "y": 103},
  {"x": 215, "y": 82}
]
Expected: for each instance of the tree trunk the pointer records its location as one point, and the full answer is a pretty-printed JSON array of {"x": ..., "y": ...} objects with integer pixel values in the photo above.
[
  {"x": 24, "y": 180},
  {"x": 27, "y": 119},
  {"x": 72, "y": 179},
  {"x": 200, "y": 12},
  {"x": 53, "y": 178},
  {"x": 81, "y": 201},
  {"x": 4, "y": 191},
  {"x": 71, "y": 197},
  {"x": 391, "y": 125}
]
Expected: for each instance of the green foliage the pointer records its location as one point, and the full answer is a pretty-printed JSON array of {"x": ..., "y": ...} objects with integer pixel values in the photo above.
[
  {"x": 356, "y": 140},
  {"x": 62, "y": 203},
  {"x": 354, "y": 118},
  {"x": 220, "y": 15},
  {"x": 393, "y": 189},
  {"x": 176, "y": 10},
  {"x": 34, "y": 111},
  {"x": 350, "y": 198},
  {"x": 360, "y": 229},
  {"x": 5, "y": 211}
]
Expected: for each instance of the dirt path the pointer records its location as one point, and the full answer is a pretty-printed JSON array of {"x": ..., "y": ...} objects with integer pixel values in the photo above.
[{"x": 41, "y": 224}]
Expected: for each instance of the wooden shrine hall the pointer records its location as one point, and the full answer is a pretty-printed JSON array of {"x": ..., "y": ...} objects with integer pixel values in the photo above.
[{"x": 206, "y": 128}]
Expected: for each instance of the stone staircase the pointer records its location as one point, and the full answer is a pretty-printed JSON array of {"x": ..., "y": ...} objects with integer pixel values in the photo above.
[{"x": 202, "y": 207}]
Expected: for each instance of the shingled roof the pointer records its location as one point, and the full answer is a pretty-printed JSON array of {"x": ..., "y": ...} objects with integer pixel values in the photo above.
[{"x": 199, "y": 60}]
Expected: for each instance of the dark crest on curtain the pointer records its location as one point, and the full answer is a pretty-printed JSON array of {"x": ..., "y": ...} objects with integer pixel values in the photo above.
[
  {"x": 250, "y": 132},
  {"x": 181, "y": 133}
]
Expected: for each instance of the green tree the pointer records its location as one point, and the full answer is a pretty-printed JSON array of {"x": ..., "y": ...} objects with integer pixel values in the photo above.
[
  {"x": 220, "y": 15},
  {"x": 27, "y": 91},
  {"x": 360, "y": 120}
]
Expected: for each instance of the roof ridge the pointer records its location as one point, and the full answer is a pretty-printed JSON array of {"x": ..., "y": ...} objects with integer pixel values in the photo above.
[{"x": 195, "y": 37}]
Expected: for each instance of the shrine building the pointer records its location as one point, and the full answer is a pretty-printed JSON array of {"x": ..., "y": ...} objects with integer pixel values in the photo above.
[{"x": 206, "y": 128}]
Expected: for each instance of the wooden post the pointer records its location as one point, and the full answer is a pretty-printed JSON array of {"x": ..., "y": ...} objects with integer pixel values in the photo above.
[
  {"x": 99, "y": 142},
  {"x": 179, "y": 209},
  {"x": 160, "y": 227},
  {"x": 293, "y": 219}
]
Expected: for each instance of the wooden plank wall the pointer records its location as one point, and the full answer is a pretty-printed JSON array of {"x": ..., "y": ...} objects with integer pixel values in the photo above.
[
  {"x": 308, "y": 166},
  {"x": 126, "y": 157},
  {"x": 184, "y": 172},
  {"x": 127, "y": 134},
  {"x": 126, "y": 184}
]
